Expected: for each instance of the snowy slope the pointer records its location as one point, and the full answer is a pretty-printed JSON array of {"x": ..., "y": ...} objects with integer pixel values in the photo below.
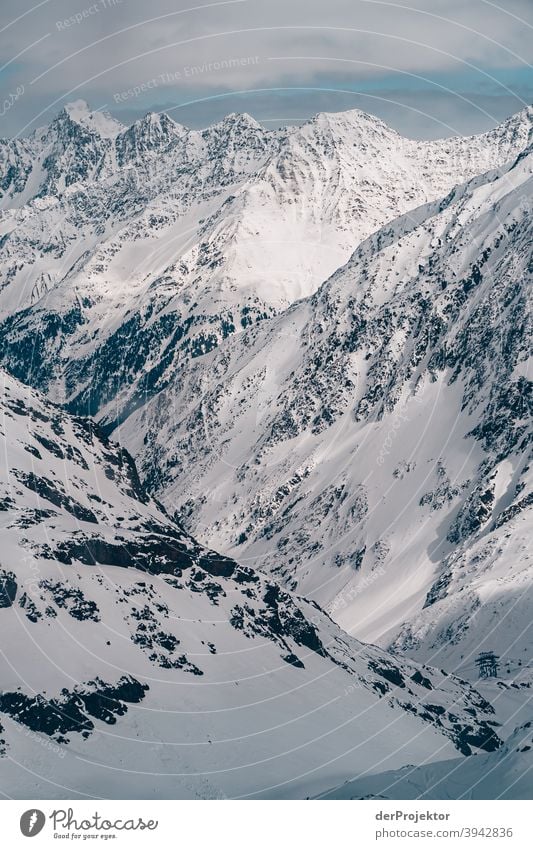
[
  {"x": 136, "y": 663},
  {"x": 332, "y": 183},
  {"x": 126, "y": 253},
  {"x": 371, "y": 446},
  {"x": 505, "y": 774}
]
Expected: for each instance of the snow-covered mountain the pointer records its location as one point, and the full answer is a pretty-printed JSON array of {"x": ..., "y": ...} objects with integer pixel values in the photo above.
[
  {"x": 75, "y": 148},
  {"x": 360, "y": 445},
  {"x": 136, "y": 663},
  {"x": 506, "y": 774},
  {"x": 371, "y": 446},
  {"x": 125, "y": 253}
]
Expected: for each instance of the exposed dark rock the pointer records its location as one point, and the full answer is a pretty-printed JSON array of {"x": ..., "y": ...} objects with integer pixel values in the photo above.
[
  {"x": 8, "y": 588},
  {"x": 73, "y": 710}
]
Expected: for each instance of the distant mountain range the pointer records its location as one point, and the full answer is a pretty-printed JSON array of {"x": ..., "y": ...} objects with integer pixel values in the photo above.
[{"x": 314, "y": 342}]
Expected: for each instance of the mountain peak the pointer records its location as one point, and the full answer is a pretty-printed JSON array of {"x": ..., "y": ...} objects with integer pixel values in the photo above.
[
  {"x": 520, "y": 123},
  {"x": 239, "y": 119},
  {"x": 77, "y": 110},
  {"x": 351, "y": 119},
  {"x": 99, "y": 122},
  {"x": 155, "y": 118},
  {"x": 157, "y": 126}
]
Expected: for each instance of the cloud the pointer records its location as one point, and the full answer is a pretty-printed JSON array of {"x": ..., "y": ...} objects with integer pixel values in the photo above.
[{"x": 62, "y": 50}]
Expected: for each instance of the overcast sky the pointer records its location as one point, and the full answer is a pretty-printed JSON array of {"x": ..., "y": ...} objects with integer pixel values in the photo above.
[{"x": 428, "y": 67}]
